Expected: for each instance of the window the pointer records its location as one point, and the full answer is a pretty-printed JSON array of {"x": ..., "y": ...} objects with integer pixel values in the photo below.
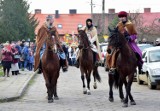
[
  {"x": 59, "y": 26},
  {"x": 80, "y": 25}
]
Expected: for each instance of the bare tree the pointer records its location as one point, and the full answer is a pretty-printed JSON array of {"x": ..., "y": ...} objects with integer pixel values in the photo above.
[{"x": 150, "y": 31}]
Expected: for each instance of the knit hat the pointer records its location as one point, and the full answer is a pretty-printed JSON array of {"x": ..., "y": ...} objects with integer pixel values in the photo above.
[{"x": 89, "y": 20}]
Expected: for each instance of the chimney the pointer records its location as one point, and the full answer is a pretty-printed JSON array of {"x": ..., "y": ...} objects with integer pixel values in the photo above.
[
  {"x": 37, "y": 11},
  {"x": 57, "y": 14},
  {"x": 147, "y": 10},
  {"x": 111, "y": 11},
  {"x": 72, "y": 11}
]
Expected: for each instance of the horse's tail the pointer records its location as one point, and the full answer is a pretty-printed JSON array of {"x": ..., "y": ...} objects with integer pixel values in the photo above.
[
  {"x": 96, "y": 74},
  {"x": 116, "y": 78}
]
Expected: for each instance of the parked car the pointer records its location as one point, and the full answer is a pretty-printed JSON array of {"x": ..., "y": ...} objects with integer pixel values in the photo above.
[
  {"x": 144, "y": 46},
  {"x": 151, "y": 67},
  {"x": 103, "y": 47},
  {"x": 104, "y": 64}
]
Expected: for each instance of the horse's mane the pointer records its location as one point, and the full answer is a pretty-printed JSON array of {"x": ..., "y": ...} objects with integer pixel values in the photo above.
[
  {"x": 118, "y": 40},
  {"x": 84, "y": 38},
  {"x": 85, "y": 43}
]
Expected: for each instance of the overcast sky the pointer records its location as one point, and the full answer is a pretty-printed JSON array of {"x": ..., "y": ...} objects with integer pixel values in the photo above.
[{"x": 83, "y": 6}]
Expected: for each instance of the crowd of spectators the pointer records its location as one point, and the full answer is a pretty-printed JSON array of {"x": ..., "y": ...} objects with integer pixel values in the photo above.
[{"x": 17, "y": 55}]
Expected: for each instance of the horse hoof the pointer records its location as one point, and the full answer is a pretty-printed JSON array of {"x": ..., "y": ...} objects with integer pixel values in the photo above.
[
  {"x": 133, "y": 103},
  {"x": 125, "y": 105},
  {"x": 95, "y": 87},
  {"x": 84, "y": 92},
  {"x": 89, "y": 93},
  {"x": 111, "y": 99},
  {"x": 56, "y": 98},
  {"x": 50, "y": 101}
]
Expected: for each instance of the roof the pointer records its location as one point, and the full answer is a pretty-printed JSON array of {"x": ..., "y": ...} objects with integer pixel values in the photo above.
[{"x": 69, "y": 22}]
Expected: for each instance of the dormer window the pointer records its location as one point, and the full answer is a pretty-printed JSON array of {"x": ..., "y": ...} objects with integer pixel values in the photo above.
[{"x": 59, "y": 26}]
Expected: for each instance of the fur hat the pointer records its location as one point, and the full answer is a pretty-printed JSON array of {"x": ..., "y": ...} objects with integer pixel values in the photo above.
[
  {"x": 49, "y": 17},
  {"x": 122, "y": 14}
]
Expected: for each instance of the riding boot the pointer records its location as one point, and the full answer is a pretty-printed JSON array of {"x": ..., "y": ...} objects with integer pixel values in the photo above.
[
  {"x": 140, "y": 69},
  {"x": 95, "y": 59},
  {"x": 77, "y": 63},
  {"x": 63, "y": 64},
  {"x": 40, "y": 68}
]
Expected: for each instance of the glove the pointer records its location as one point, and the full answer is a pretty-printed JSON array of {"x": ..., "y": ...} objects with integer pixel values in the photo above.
[{"x": 128, "y": 38}]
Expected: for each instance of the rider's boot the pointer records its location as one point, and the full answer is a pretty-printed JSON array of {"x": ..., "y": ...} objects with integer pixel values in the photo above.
[
  {"x": 64, "y": 65},
  {"x": 140, "y": 69},
  {"x": 77, "y": 63},
  {"x": 40, "y": 68},
  {"x": 96, "y": 59}
]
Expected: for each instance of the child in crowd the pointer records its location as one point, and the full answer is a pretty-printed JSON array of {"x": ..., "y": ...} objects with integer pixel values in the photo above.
[{"x": 31, "y": 61}]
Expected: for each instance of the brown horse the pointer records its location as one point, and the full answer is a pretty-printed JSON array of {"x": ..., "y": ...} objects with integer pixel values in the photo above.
[
  {"x": 86, "y": 62},
  {"x": 126, "y": 63},
  {"x": 51, "y": 68}
]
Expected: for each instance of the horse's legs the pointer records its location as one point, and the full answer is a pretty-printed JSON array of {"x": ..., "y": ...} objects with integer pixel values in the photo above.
[
  {"x": 110, "y": 81},
  {"x": 125, "y": 101},
  {"x": 48, "y": 85},
  {"x": 54, "y": 83},
  {"x": 121, "y": 95},
  {"x": 49, "y": 91},
  {"x": 130, "y": 80},
  {"x": 55, "y": 93},
  {"x": 88, "y": 82},
  {"x": 94, "y": 76},
  {"x": 83, "y": 81},
  {"x": 128, "y": 92}
]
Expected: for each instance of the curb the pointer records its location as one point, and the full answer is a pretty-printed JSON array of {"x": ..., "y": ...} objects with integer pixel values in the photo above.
[{"x": 21, "y": 91}]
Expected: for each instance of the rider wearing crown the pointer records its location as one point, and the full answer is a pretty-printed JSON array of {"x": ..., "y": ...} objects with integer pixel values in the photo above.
[{"x": 47, "y": 29}]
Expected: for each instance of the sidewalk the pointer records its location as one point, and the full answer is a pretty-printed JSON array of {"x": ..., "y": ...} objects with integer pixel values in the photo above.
[{"x": 13, "y": 87}]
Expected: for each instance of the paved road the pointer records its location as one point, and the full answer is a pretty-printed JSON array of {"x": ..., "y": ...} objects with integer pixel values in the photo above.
[{"x": 72, "y": 99}]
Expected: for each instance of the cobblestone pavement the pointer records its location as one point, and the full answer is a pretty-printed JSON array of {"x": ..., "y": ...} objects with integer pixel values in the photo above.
[{"x": 72, "y": 99}]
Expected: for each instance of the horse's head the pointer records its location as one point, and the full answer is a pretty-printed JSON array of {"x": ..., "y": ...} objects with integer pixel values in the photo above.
[
  {"x": 50, "y": 40},
  {"x": 83, "y": 39},
  {"x": 116, "y": 39}
]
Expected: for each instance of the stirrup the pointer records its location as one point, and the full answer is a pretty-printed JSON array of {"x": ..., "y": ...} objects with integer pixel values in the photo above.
[{"x": 112, "y": 71}]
